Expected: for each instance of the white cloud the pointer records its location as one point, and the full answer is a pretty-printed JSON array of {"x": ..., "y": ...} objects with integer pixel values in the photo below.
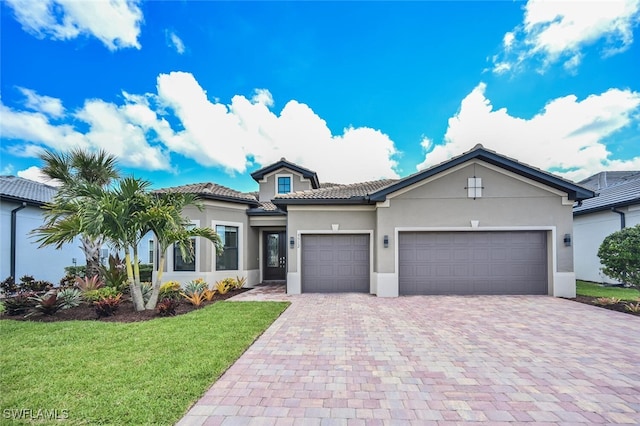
[
  {"x": 175, "y": 42},
  {"x": 6, "y": 170},
  {"x": 35, "y": 174},
  {"x": 559, "y": 31},
  {"x": 44, "y": 104},
  {"x": 116, "y": 23},
  {"x": 568, "y": 134},
  {"x": 225, "y": 135}
]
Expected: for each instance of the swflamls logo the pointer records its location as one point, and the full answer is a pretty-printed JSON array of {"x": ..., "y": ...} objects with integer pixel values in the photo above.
[{"x": 31, "y": 414}]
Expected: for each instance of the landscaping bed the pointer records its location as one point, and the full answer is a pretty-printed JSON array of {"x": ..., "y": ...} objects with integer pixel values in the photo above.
[
  {"x": 125, "y": 312},
  {"x": 608, "y": 297},
  {"x": 619, "y": 306}
]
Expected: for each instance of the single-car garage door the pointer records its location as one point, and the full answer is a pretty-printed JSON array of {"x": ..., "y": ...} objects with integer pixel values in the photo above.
[
  {"x": 473, "y": 262},
  {"x": 335, "y": 263}
]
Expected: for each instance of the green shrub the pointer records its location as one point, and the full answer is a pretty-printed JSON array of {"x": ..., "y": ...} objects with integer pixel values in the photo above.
[
  {"x": 195, "y": 286},
  {"x": 619, "y": 254},
  {"x": 107, "y": 306},
  {"x": 19, "y": 304},
  {"x": 8, "y": 286},
  {"x": 167, "y": 307},
  {"x": 3, "y": 309},
  {"x": 46, "y": 304},
  {"x": 146, "y": 270},
  {"x": 76, "y": 271},
  {"x": 69, "y": 297},
  {"x": 100, "y": 293}
]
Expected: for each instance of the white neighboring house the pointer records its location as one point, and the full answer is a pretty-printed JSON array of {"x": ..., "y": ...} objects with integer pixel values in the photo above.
[
  {"x": 616, "y": 206},
  {"x": 21, "y": 202}
]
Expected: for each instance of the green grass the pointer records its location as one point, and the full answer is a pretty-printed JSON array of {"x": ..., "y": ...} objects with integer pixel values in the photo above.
[
  {"x": 584, "y": 288},
  {"x": 115, "y": 373}
]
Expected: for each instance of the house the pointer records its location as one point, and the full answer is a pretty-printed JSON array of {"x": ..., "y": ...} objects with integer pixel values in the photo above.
[
  {"x": 480, "y": 223},
  {"x": 616, "y": 206},
  {"x": 21, "y": 202}
]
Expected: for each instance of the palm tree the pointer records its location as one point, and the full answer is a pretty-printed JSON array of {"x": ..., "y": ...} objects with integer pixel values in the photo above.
[
  {"x": 164, "y": 218},
  {"x": 71, "y": 169}
]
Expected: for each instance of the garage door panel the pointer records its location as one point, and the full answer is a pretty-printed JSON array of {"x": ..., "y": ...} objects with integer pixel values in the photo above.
[
  {"x": 335, "y": 263},
  {"x": 473, "y": 262}
]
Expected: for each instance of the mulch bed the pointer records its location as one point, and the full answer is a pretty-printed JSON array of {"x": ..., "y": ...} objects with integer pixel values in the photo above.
[
  {"x": 125, "y": 312},
  {"x": 620, "y": 307}
]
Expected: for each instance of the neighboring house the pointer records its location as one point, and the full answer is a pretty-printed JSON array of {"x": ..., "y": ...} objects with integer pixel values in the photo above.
[
  {"x": 480, "y": 223},
  {"x": 21, "y": 202},
  {"x": 616, "y": 206}
]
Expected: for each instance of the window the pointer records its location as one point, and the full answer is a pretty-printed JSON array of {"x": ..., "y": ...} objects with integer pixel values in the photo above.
[
  {"x": 179, "y": 264},
  {"x": 284, "y": 184},
  {"x": 228, "y": 260},
  {"x": 151, "y": 251}
]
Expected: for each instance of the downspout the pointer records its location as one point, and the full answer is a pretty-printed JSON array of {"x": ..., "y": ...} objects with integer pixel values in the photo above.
[
  {"x": 623, "y": 223},
  {"x": 14, "y": 214}
]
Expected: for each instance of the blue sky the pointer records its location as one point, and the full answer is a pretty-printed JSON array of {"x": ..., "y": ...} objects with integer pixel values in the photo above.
[{"x": 185, "y": 92}]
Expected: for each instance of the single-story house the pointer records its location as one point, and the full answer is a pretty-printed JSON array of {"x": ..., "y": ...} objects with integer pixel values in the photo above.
[
  {"x": 616, "y": 206},
  {"x": 479, "y": 223},
  {"x": 21, "y": 202}
]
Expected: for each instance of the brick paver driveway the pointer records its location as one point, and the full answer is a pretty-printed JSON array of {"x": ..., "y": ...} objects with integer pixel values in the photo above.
[{"x": 358, "y": 359}]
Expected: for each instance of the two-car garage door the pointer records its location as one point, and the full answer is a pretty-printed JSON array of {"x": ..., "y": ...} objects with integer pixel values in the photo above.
[{"x": 473, "y": 262}]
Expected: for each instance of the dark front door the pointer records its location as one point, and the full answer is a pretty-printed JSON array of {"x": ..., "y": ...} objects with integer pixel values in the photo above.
[{"x": 275, "y": 256}]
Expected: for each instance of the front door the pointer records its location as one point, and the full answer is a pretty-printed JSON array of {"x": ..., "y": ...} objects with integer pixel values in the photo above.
[{"x": 275, "y": 256}]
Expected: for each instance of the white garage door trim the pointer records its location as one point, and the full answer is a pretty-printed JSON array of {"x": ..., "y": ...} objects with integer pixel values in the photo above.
[
  {"x": 294, "y": 284},
  {"x": 551, "y": 247}
]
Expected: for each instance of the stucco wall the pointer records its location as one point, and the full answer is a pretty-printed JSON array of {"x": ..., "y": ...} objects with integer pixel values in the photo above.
[
  {"x": 589, "y": 232},
  {"x": 506, "y": 201},
  {"x": 43, "y": 264},
  {"x": 268, "y": 187}
]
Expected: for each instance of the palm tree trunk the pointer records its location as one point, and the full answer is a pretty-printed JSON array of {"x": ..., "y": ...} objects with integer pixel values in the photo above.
[
  {"x": 91, "y": 248},
  {"x": 134, "y": 286},
  {"x": 153, "y": 300}
]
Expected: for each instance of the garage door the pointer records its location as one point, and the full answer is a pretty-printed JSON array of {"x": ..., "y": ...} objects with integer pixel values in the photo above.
[
  {"x": 335, "y": 263},
  {"x": 473, "y": 262}
]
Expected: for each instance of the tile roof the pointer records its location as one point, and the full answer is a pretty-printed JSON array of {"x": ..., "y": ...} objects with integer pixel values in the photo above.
[
  {"x": 608, "y": 178},
  {"x": 624, "y": 193},
  {"x": 20, "y": 189},
  {"x": 338, "y": 191},
  {"x": 213, "y": 191}
]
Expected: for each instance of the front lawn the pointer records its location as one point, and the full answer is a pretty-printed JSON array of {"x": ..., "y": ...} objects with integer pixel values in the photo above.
[
  {"x": 584, "y": 288},
  {"x": 124, "y": 373}
]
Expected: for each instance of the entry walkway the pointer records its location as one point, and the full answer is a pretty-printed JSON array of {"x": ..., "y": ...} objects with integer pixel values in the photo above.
[{"x": 355, "y": 359}]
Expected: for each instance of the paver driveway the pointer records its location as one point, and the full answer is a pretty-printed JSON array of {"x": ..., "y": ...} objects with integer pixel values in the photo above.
[{"x": 358, "y": 359}]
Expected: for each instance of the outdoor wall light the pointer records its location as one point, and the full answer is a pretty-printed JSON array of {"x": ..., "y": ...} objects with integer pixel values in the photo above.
[
  {"x": 292, "y": 242},
  {"x": 567, "y": 240},
  {"x": 385, "y": 241}
]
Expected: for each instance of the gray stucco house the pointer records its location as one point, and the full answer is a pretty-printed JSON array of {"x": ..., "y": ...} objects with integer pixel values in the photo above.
[{"x": 480, "y": 223}]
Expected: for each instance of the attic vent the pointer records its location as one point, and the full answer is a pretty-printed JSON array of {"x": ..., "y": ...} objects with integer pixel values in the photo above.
[{"x": 474, "y": 187}]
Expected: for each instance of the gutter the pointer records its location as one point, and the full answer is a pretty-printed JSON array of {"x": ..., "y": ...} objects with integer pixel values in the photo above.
[
  {"x": 623, "y": 223},
  {"x": 14, "y": 214}
]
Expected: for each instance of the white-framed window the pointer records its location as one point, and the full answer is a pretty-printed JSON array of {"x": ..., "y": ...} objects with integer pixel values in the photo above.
[
  {"x": 230, "y": 234},
  {"x": 151, "y": 251},
  {"x": 179, "y": 264},
  {"x": 284, "y": 183}
]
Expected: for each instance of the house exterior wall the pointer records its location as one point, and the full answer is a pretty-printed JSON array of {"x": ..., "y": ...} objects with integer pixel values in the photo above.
[
  {"x": 589, "y": 231},
  {"x": 45, "y": 263},
  {"x": 219, "y": 213},
  {"x": 268, "y": 183}
]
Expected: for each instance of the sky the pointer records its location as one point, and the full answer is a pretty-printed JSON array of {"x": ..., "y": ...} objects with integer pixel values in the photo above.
[{"x": 202, "y": 91}]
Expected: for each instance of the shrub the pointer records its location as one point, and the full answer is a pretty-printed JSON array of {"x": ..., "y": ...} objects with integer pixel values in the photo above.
[
  {"x": 169, "y": 290},
  {"x": 114, "y": 275},
  {"x": 195, "y": 298},
  {"x": 76, "y": 271},
  {"x": 222, "y": 287},
  {"x": 208, "y": 294},
  {"x": 107, "y": 306},
  {"x": 619, "y": 254},
  {"x": 46, "y": 304},
  {"x": 633, "y": 307},
  {"x": 100, "y": 293},
  {"x": 69, "y": 298},
  {"x": 19, "y": 304},
  {"x": 167, "y": 307},
  {"x": 240, "y": 281},
  {"x": 195, "y": 286},
  {"x": 146, "y": 288},
  {"x": 3, "y": 309},
  {"x": 88, "y": 283},
  {"x": 146, "y": 270},
  {"x": 36, "y": 286},
  {"x": 8, "y": 286},
  {"x": 67, "y": 281},
  {"x": 607, "y": 301}
]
